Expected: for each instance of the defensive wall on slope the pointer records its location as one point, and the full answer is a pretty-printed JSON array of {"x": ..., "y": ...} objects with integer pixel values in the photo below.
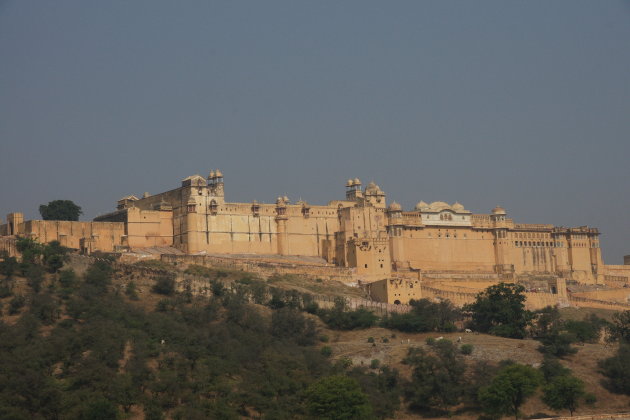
[
  {"x": 264, "y": 268},
  {"x": 8, "y": 244}
]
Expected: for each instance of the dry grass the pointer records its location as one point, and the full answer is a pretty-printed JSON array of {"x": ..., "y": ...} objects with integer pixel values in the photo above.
[{"x": 354, "y": 345}]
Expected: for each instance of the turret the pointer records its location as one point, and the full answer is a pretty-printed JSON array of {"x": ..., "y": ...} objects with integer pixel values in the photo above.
[
  {"x": 215, "y": 185},
  {"x": 353, "y": 189}
]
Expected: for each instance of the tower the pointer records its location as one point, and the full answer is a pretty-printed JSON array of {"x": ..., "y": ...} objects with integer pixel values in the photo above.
[
  {"x": 498, "y": 217},
  {"x": 192, "y": 240},
  {"x": 281, "y": 222},
  {"x": 215, "y": 185},
  {"x": 353, "y": 190}
]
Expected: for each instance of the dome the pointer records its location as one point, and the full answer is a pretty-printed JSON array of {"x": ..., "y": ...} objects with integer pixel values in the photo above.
[
  {"x": 255, "y": 202},
  {"x": 421, "y": 205},
  {"x": 394, "y": 207},
  {"x": 439, "y": 205},
  {"x": 349, "y": 183},
  {"x": 457, "y": 206},
  {"x": 211, "y": 175},
  {"x": 498, "y": 210},
  {"x": 279, "y": 200},
  {"x": 218, "y": 174},
  {"x": 356, "y": 181}
]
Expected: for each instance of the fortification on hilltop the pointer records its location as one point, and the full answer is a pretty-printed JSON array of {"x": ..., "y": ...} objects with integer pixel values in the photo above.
[{"x": 378, "y": 242}]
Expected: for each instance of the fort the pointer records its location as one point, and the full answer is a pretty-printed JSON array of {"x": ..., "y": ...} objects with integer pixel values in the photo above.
[{"x": 390, "y": 250}]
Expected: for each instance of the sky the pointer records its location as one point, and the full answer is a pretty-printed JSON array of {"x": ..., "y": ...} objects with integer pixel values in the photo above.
[{"x": 525, "y": 104}]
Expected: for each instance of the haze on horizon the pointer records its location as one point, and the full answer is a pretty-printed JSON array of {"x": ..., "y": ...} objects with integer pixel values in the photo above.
[{"x": 522, "y": 104}]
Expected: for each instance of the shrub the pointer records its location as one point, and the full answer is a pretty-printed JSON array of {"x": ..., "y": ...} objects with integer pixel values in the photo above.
[
  {"x": 16, "y": 304},
  {"x": 326, "y": 351},
  {"x": 590, "y": 398},
  {"x": 425, "y": 316},
  {"x": 347, "y": 320},
  {"x": 466, "y": 349},
  {"x": 323, "y": 338},
  {"x": 131, "y": 290},
  {"x": 164, "y": 285},
  {"x": 370, "y": 339},
  {"x": 375, "y": 363}
]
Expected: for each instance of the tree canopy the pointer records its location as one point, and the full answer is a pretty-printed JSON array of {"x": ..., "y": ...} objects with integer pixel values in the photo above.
[
  {"x": 500, "y": 310},
  {"x": 60, "y": 210},
  {"x": 337, "y": 397},
  {"x": 509, "y": 390}
]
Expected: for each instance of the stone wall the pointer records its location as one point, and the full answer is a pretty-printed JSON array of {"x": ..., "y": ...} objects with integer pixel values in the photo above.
[{"x": 264, "y": 268}]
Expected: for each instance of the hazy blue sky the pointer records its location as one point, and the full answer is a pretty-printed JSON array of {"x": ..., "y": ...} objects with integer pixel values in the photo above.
[{"x": 520, "y": 103}]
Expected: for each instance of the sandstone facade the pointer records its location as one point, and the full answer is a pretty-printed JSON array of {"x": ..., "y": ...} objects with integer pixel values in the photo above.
[{"x": 359, "y": 232}]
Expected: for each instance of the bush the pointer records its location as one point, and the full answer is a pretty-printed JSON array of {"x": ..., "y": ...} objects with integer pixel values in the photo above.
[
  {"x": 375, "y": 363},
  {"x": 164, "y": 285},
  {"x": 348, "y": 320},
  {"x": 337, "y": 397},
  {"x": 558, "y": 344},
  {"x": 323, "y": 338},
  {"x": 16, "y": 304},
  {"x": 590, "y": 398},
  {"x": 370, "y": 340},
  {"x": 425, "y": 316},
  {"x": 326, "y": 351},
  {"x": 466, "y": 349},
  {"x": 131, "y": 290}
]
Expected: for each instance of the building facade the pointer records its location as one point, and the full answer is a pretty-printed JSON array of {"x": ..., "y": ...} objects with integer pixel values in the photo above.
[{"x": 360, "y": 231}]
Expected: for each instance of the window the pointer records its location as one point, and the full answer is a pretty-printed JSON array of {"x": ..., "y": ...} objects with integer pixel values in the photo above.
[{"x": 365, "y": 265}]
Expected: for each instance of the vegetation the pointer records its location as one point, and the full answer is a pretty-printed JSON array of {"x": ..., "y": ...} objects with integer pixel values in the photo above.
[
  {"x": 337, "y": 397},
  {"x": 509, "y": 390},
  {"x": 438, "y": 377},
  {"x": 564, "y": 393},
  {"x": 619, "y": 330},
  {"x": 339, "y": 318},
  {"x": 500, "y": 310},
  {"x": 425, "y": 316},
  {"x": 557, "y": 336},
  {"x": 617, "y": 370},
  {"x": 60, "y": 210},
  {"x": 103, "y": 356}
]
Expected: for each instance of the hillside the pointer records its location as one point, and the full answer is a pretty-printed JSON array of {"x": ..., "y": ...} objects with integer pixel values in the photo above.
[{"x": 119, "y": 344}]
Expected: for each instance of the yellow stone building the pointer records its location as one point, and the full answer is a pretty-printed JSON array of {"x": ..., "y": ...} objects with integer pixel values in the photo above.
[{"x": 360, "y": 231}]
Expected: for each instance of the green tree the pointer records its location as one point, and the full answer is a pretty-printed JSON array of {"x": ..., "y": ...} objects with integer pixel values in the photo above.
[
  {"x": 552, "y": 368},
  {"x": 617, "y": 370},
  {"x": 8, "y": 265},
  {"x": 438, "y": 377},
  {"x": 558, "y": 344},
  {"x": 509, "y": 390},
  {"x": 31, "y": 251},
  {"x": 60, "y": 210},
  {"x": 425, "y": 316},
  {"x": 620, "y": 328},
  {"x": 500, "y": 310},
  {"x": 564, "y": 393},
  {"x": 337, "y": 397},
  {"x": 54, "y": 256}
]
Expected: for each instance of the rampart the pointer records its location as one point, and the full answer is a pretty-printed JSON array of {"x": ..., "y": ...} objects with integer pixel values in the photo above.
[
  {"x": 264, "y": 268},
  {"x": 8, "y": 244}
]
